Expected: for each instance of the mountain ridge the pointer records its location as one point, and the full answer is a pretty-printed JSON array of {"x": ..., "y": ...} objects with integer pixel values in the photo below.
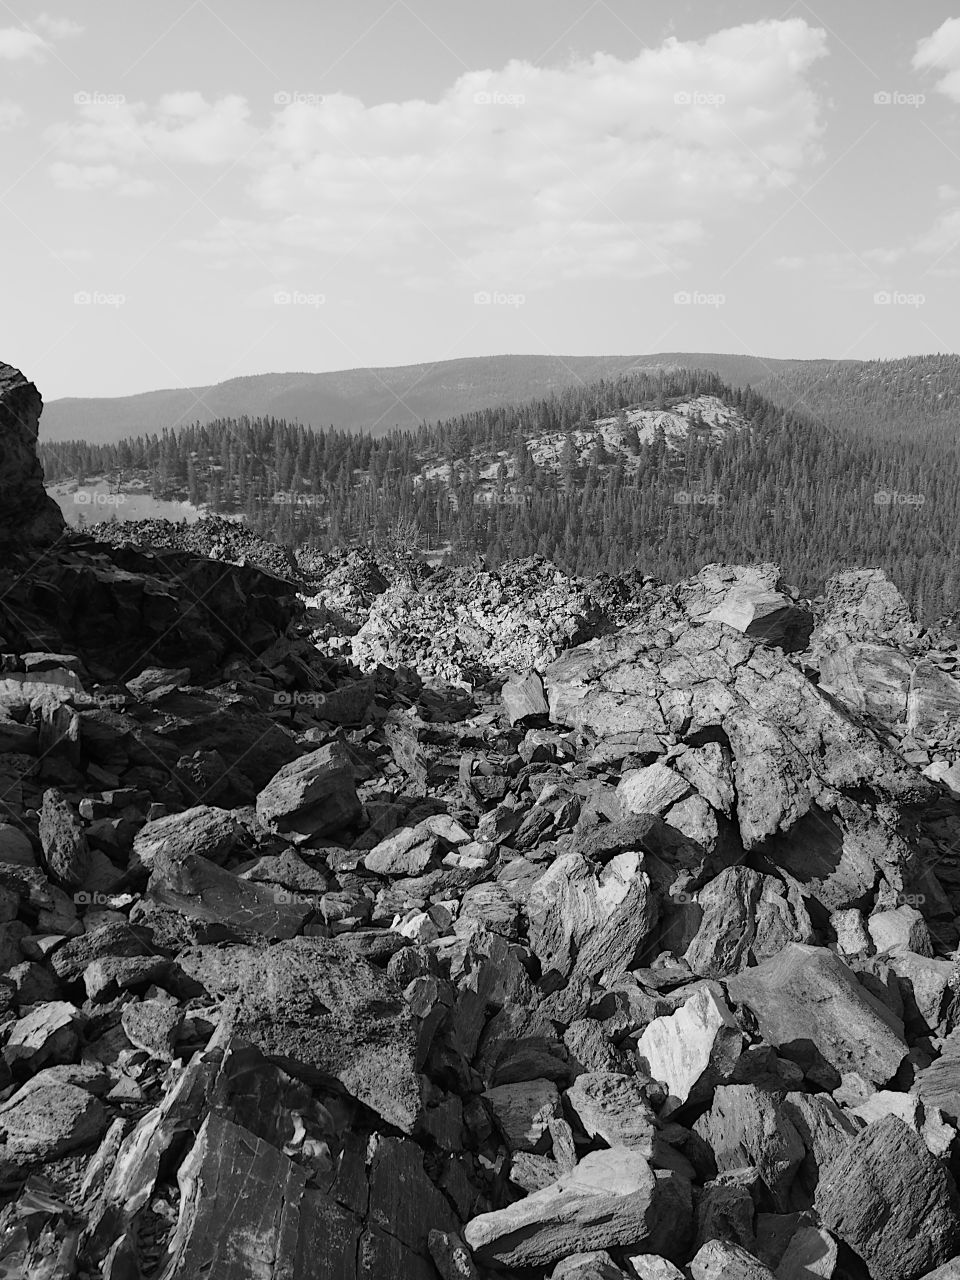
[{"x": 377, "y": 399}]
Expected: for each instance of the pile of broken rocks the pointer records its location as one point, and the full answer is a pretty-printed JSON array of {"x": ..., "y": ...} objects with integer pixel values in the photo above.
[{"x": 642, "y": 967}]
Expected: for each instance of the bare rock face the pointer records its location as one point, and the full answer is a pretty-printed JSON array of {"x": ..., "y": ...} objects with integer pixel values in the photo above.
[
  {"x": 891, "y": 1202},
  {"x": 750, "y": 599},
  {"x": 27, "y": 513}
]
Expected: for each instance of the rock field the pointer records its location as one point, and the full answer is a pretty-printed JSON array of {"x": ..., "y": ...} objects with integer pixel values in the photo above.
[{"x": 467, "y": 923}]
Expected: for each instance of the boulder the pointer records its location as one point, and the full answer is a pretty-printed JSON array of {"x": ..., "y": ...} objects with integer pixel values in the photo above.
[
  {"x": 747, "y": 917},
  {"x": 204, "y": 830},
  {"x": 46, "y": 1119},
  {"x": 809, "y": 1005},
  {"x": 523, "y": 698},
  {"x": 693, "y": 1049},
  {"x": 615, "y": 1108},
  {"x": 610, "y": 1200},
  {"x": 321, "y": 1013},
  {"x": 523, "y": 1112},
  {"x": 747, "y": 1128},
  {"x": 892, "y": 1202},
  {"x": 312, "y": 796},
  {"x": 721, "y": 1260},
  {"x": 30, "y": 515}
]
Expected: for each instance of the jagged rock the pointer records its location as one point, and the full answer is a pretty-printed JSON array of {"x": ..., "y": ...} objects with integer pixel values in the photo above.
[
  {"x": 651, "y": 790},
  {"x": 587, "y": 1266},
  {"x": 320, "y": 1013},
  {"x": 48, "y": 1033},
  {"x": 650, "y": 1267},
  {"x": 720, "y": 1260},
  {"x": 45, "y": 1119},
  {"x": 584, "y": 924},
  {"x": 523, "y": 1113},
  {"x": 693, "y": 1049},
  {"x": 610, "y": 1200},
  {"x": 750, "y": 599},
  {"x": 152, "y": 1025},
  {"x": 864, "y": 604},
  {"x": 406, "y": 852},
  {"x": 203, "y": 891},
  {"x": 890, "y": 1201},
  {"x": 746, "y": 1128},
  {"x": 524, "y": 698},
  {"x": 747, "y": 917},
  {"x": 811, "y": 1253},
  {"x": 29, "y": 514},
  {"x": 64, "y": 844},
  {"x": 451, "y": 1256},
  {"x": 312, "y": 796},
  {"x": 901, "y": 927},
  {"x": 824, "y": 1128},
  {"x": 810, "y": 1006},
  {"x": 245, "y": 1211},
  {"x": 614, "y": 1108},
  {"x": 203, "y": 830}
]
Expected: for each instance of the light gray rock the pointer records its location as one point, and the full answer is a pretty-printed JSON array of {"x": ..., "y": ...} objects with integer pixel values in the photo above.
[
  {"x": 610, "y": 1200},
  {"x": 523, "y": 698},
  {"x": 651, "y": 790},
  {"x": 614, "y": 1108},
  {"x": 693, "y": 1049},
  {"x": 720, "y": 1260},
  {"x": 46, "y": 1119},
  {"x": 904, "y": 927},
  {"x": 746, "y": 917}
]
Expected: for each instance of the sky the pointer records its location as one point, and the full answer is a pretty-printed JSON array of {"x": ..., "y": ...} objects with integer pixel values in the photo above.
[{"x": 195, "y": 191}]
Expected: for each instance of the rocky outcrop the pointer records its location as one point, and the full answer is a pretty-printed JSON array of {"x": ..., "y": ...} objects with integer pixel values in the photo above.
[
  {"x": 643, "y": 968},
  {"x": 27, "y": 514}
]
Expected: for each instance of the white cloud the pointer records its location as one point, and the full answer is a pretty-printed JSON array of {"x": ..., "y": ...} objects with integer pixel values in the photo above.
[
  {"x": 941, "y": 52},
  {"x": 846, "y": 270},
  {"x": 18, "y": 44},
  {"x": 604, "y": 166},
  {"x": 943, "y": 236},
  {"x": 58, "y": 28},
  {"x": 98, "y": 177},
  {"x": 11, "y": 114}
]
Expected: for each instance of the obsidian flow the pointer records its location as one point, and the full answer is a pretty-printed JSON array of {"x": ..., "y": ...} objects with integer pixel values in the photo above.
[{"x": 363, "y": 920}]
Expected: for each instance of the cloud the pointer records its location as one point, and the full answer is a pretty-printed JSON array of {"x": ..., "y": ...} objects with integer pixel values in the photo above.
[
  {"x": 17, "y": 44},
  {"x": 941, "y": 52},
  {"x": 11, "y": 114},
  {"x": 944, "y": 236},
  {"x": 58, "y": 28},
  {"x": 601, "y": 167},
  {"x": 845, "y": 270},
  {"x": 98, "y": 177}
]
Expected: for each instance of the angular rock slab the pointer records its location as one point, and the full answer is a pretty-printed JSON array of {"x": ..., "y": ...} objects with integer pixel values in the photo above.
[
  {"x": 312, "y": 796},
  {"x": 721, "y": 1260},
  {"x": 246, "y": 1214},
  {"x": 809, "y": 1005},
  {"x": 692, "y": 1049},
  {"x": 322, "y": 1012},
  {"x": 890, "y": 1201},
  {"x": 608, "y": 1201},
  {"x": 204, "y": 830},
  {"x": 746, "y": 1128}
]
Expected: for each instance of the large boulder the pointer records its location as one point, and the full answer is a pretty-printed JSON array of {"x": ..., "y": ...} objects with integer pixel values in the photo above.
[
  {"x": 612, "y": 1199},
  {"x": 27, "y": 513},
  {"x": 312, "y": 796},
  {"x": 890, "y": 1201},
  {"x": 322, "y": 1013},
  {"x": 809, "y": 1004}
]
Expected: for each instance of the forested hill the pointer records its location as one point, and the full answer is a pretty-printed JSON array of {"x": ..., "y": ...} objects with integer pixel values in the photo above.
[
  {"x": 919, "y": 395},
  {"x": 661, "y": 471},
  {"x": 374, "y": 400}
]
